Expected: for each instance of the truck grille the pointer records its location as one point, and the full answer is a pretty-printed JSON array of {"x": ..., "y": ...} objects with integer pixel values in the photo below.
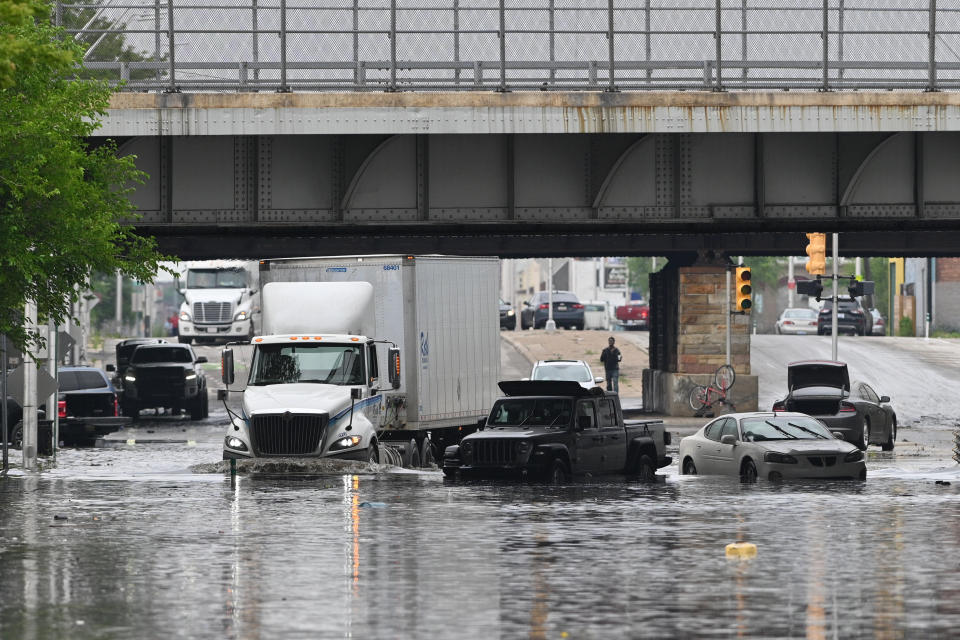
[
  {"x": 494, "y": 452},
  {"x": 160, "y": 383},
  {"x": 212, "y": 312},
  {"x": 287, "y": 434}
]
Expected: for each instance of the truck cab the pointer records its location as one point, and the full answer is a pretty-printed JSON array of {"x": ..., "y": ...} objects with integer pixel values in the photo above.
[{"x": 219, "y": 303}]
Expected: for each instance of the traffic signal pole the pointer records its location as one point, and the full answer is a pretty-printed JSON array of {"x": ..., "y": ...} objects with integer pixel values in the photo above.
[
  {"x": 833, "y": 315},
  {"x": 728, "y": 313}
]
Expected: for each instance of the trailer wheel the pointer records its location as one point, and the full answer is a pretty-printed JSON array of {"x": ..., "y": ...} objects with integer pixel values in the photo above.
[
  {"x": 413, "y": 457},
  {"x": 427, "y": 459}
]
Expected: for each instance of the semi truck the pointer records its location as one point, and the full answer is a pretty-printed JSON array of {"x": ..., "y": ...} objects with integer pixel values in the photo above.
[
  {"x": 219, "y": 302},
  {"x": 373, "y": 358}
]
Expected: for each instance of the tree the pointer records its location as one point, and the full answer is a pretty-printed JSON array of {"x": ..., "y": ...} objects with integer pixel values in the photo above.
[
  {"x": 64, "y": 206},
  {"x": 19, "y": 55}
]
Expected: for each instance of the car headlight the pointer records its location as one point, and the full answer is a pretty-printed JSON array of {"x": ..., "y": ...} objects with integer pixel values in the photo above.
[
  {"x": 241, "y": 315},
  {"x": 185, "y": 316},
  {"x": 510, "y": 312},
  {"x": 233, "y": 442},
  {"x": 346, "y": 443},
  {"x": 780, "y": 458},
  {"x": 130, "y": 377},
  {"x": 854, "y": 456}
]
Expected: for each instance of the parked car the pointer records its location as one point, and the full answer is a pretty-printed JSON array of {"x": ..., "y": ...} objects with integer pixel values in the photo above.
[
  {"x": 596, "y": 315},
  {"x": 822, "y": 389},
  {"x": 165, "y": 376},
  {"x": 86, "y": 405},
  {"x": 574, "y": 370},
  {"x": 774, "y": 446},
  {"x": 508, "y": 317},
  {"x": 552, "y": 430},
  {"x": 851, "y": 318},
  {"x": 635, "y": 315},
  {"x": 879, "y": 324},
  {"x": 797, "y": 321},
  {"x": 567, "y": 311}
]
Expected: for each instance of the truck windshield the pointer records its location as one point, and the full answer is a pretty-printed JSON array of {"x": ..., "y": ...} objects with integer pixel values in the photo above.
[
  {"x": 147, "y": 355},
  {"x": 216, "y": 279},
  {"x": 541, "y": 412},
  {"x": 318, "y": 363}
]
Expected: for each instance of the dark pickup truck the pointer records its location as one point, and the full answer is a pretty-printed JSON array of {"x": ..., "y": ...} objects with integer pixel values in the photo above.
[
  {"x": 165, "y": 375},
  {"x": 86, "y": 406},
  {"x": 550, "y": 430}
]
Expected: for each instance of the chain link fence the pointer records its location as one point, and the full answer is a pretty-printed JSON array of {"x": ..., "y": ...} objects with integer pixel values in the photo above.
[{"x": 400, "y": 45}]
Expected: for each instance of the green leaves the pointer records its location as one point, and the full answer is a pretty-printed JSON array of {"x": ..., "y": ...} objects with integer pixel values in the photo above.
[{"x": 63, "y": 204}]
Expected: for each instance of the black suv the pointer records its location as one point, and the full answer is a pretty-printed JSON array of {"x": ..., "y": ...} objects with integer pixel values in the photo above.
[
  {"x": 567, "y": 310},
  {"x": 165, "y": 376},
  {"x": 851, "y": 318}
]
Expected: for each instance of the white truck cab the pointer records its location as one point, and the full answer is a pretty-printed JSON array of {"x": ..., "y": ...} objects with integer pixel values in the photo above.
[
  {"x": 314, "y": 386},
  {"x": 219, "y": 302}
]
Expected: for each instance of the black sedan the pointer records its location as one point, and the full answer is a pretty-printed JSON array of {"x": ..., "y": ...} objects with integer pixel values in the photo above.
[
  {"x": 822, "y": 389},
  {"x": 567, "y": 310},
  {"x": 508, "y": 317}
]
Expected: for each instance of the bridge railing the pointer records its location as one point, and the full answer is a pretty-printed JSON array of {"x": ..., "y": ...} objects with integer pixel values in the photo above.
[{"x": 399, "y": 45}]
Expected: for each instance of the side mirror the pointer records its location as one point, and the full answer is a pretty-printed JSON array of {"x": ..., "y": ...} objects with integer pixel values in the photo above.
[
  {"x": 882, "y": 398},
  {"x": 598, "y": 380},
  {"x": 583, "y": 422},
  {"x": 837, "y": 435},
  {"x": 226, "y": 366},
  {"x": 356, "y": 393},
  {"x": 393, "y": 367},
  {"x": 481, "y": 423},
  {"x": 110, "y": 368},
  {"x": 201, "y": 359},
  {"x": 222, "y": 394},
  {"x": 728, "y": 439}
]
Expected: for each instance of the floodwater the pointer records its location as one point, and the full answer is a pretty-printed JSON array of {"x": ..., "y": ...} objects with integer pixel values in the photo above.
[{"x": 128, "y": 542}]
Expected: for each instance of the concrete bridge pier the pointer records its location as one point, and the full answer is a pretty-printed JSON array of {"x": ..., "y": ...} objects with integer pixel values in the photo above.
[{"x": 688, "y": 337}]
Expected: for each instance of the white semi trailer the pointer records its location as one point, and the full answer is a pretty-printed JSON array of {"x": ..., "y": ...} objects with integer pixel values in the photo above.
[{"x": 386, "y": 358}]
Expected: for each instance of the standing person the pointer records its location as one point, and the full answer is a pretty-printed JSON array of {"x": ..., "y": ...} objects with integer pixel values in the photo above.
[{"x": 610, "y": 357}]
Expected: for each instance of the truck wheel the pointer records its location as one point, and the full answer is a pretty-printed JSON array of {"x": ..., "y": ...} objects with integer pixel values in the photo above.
[
  {"x": 16, "y": 436},
  {"x": 131, "y": 409},
  {"x": 413, "y": 458},
  {"x": 646, "y": 471},
  {"x": 196, "y": 409},
  {"x": 558, "y": 473},
  {"x": 373, "y": 453},
  {"x": 183, "y": 340},
  {"x": 206, "y": 404}
]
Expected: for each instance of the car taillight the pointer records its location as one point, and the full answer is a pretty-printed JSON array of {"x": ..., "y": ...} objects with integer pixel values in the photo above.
[
  {"x": 788, "y": 322},
  {"x": 544, "y": 306},
  {"x": 643, "y": 314},
  {"x": 847, "y": 408},
  {"x": 778, "y": 406},
  {"x": 62, "y": 408},
  {"x": 116, "y": 409},
  {"x": 577, "y": 306}
]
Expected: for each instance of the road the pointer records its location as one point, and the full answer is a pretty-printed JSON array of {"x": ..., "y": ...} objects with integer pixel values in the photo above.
[{"x": 138, "y": 539}]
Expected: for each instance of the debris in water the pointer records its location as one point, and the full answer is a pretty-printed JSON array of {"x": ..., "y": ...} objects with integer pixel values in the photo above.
[
  {"x": 59, "y": 517},
  {"x": 374, "y": 505},
  {"x": 741, "y": 550},
  {"x": 943, "y": 483}
]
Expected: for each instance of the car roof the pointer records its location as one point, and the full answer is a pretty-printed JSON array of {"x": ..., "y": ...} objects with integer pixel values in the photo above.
[
  {"x": 559, "y": 361},
  {"x": 763, "y": 414}
]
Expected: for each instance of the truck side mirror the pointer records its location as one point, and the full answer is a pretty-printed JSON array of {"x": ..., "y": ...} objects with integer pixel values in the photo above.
[
  {"x": 393, "y": 365},
  {"x": 226, "y": 366},
  {"x": 201, "y": 359},
  {"x": 481, "y": 423},
  {"x": 111, "y": 368},
  {"x": 356, "y": 393}
]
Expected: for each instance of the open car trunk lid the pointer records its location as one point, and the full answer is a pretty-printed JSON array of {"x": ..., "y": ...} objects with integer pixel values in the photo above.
[{"x": 817, "y": 373}]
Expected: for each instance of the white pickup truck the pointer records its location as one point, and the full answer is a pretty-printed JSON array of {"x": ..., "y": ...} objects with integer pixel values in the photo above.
[{"x": 380, "y": 358}]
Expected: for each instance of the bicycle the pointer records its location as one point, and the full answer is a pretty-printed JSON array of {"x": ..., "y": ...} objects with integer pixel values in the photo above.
[{"x": 703, "y": 397}]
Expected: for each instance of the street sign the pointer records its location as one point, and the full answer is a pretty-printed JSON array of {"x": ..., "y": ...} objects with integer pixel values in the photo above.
[
  {"x": 46, "y": 385},
  {"x": 614, "y": 277},
  {"x": 65, "y": 342}
]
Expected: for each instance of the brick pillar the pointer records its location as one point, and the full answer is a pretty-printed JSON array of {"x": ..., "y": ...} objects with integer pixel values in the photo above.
[{"x": 701, "y": 345}]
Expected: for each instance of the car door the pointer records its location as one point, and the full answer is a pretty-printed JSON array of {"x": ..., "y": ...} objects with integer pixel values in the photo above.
[
  {"x": 726, "y": 454},
  {"x": 705, "y": 451},
  {"x": 870, "y": 405},
  {"x": 588, "y": 439},
  {"x": 613, "y": 446}
]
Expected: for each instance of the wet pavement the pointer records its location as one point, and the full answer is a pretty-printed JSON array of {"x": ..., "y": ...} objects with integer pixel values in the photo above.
[{"x": 134, "y": 540}]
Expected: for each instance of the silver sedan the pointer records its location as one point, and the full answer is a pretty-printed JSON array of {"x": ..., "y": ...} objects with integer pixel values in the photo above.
[
  {"x": 775, "y": 446},
  {"x": 797, "y": 321}
]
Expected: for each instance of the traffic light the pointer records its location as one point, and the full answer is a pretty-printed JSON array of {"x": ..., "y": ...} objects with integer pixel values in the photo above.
[
  {"x": 810, "y": 288},
  {"x": 817, "y": 250},
  {"x": 859, "y": 288},
  {"x": 744, "y": 289}
]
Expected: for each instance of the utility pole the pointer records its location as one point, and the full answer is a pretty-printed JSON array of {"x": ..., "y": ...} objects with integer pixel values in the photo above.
[
  {"x": 551, "y": 325},
  {"x": 4, "y": 427},
  {"x": 833, "y": 315},
  {"x": 726, "y": 307},
  {"x": 118, "y": 311},
  {"x": 53, "y": 411},
  {"x": 791, "y": 282},
  {"x": 29, "y": 400}
]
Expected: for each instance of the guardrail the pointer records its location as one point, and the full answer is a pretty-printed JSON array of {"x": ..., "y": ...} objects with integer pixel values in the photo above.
[{"x": 611, "y": 45}]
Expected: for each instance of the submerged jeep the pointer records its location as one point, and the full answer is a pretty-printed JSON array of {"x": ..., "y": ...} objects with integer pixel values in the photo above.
[{"x": 551, "y": 430}]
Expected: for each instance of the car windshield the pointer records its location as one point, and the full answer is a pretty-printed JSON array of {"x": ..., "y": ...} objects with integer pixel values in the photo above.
[
  {"x": 783, "y": 428},
  {"x": 845, "y": 305},
  {"x": 573, "y": 371},
  {"x": 530, "y": 412},
  {"x": 318, "y": 363},
  {"x": 147, "y": 355},
  {"x": 800, "y": 313},
  {"x": 216, "y": 279}
]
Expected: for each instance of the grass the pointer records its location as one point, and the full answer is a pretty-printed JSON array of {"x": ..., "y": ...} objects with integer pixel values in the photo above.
[{"x": 945, "y": 334}]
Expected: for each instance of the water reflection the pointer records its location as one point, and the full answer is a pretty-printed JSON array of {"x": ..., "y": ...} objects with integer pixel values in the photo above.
[{"x": 300, "y": 557}]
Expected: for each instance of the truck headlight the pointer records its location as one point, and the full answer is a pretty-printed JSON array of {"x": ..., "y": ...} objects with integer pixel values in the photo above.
[
  {"x": 346, "y": 443},
  {"x": 185, "y": 316},
  {"x": 130, "y": 377},
  {"x": 241, "y": 315},
  {"x": 233, "y": 442},
  {"x": 510, "y": 313},
  {"x": 781, "y": 458},
  {"x": 466, "y": 447},
  {"x": 190, "y": 376}
]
